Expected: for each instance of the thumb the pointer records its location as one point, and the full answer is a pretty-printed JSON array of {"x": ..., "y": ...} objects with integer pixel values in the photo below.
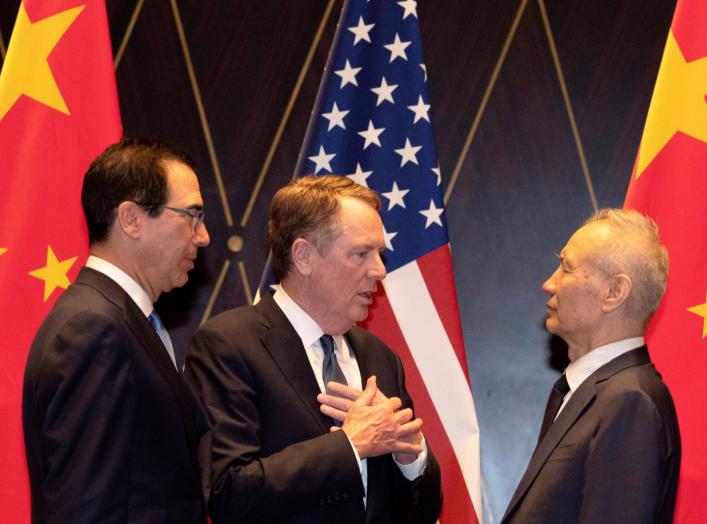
[{"x": 369, "y": 393}]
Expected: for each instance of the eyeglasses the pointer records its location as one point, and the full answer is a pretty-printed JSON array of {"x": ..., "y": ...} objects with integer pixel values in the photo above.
[{"x": 197, "y": 215}]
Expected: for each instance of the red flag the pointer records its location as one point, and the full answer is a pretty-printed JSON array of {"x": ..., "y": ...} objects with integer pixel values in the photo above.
[
  {"x": 669, "y": 183},
  {"x": 58, "y": 111}
]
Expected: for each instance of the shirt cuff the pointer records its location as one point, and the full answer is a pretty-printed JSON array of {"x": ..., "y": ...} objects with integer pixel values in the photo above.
[
  {"x": 417, "y": 467},
  {"x": 358, "y": 459}
]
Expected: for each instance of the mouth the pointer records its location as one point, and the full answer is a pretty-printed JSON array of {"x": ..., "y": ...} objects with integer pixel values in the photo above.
[{"x": 367, "y": 296}]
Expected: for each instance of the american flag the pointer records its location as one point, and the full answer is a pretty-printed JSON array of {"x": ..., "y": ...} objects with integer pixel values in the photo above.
[{"x": 371, "y": 122}]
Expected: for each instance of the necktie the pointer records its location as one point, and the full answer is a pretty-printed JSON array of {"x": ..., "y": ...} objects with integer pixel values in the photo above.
[
  {"x": 156, "y": 323},
  {"x": 331, "y": 372},
  {"x": 559, "y": 390}
]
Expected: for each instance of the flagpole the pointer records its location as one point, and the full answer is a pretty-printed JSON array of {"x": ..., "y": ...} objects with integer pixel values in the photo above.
[
  {"x": 320, "y": 91},
  {"x": 310, "y": 128}
]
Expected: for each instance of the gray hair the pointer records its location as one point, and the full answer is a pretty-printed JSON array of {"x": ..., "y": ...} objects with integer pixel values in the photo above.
[{"x": 634, "y": 249}]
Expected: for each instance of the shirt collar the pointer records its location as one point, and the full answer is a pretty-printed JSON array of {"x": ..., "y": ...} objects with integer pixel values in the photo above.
[
  {"x": 125, "y": 281},
  {"x": 305, "y": 326},
  {"x": 579, "y": 370}
]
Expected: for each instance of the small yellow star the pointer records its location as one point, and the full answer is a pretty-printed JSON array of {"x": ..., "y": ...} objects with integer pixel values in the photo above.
[
  {"x": 678, "y": 103},
  {"x": 26, "y": 70},
  {"x": 701, "y": 310},
  {"x": 3, "y": 250},
  {"x": 54, "y": 273}
]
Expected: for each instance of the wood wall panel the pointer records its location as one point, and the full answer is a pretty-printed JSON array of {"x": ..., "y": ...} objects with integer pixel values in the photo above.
[{"x": 520, "y": 193}]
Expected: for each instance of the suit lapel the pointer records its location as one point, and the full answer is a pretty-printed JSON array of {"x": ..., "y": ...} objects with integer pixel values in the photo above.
[
  {"x": 285, "y": 347},
  {"x": 358, "y": 348},
  {"x": 575, "y": 407},
  {"x": 150, "y": 343}
]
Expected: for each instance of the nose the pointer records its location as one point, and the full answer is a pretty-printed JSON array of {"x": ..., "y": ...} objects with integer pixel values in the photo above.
[
  {"x": 549, "y": 284},
  {"x": 377, "y": 271},
  {"x": 201, "y": 236}
]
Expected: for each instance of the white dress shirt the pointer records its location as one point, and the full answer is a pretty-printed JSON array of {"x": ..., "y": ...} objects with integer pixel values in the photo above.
[
  {"x": 132, "y": 288},
  {"x": 310, "y": 333},
  {"x": 580, "y": 370}
]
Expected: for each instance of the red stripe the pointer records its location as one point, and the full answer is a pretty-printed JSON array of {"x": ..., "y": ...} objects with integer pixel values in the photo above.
[
  {"x": 436, "y": 268},
  {"x": 457, "y": 502}
]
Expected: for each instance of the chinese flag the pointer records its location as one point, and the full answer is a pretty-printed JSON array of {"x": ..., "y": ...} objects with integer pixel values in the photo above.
[
  {"x": 669, "y": 183},
  {"x": 58, "y": 111}
]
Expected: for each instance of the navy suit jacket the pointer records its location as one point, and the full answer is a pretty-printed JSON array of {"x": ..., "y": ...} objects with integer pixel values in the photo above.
[
  {"x": 612, "y": 454},
  {"x": 111, "y": 429},
  {"x": 274, "y": 458}
]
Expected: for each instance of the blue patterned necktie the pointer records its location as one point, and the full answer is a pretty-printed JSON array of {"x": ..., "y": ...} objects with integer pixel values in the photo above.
[{"x": 156, "y": 323}]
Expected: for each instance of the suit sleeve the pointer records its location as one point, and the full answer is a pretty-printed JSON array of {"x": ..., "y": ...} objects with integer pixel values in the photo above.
[
  {"x": 85, "y": 405},
  {"x": 627, "y": 463},
  {"x": 420, "y": 500},
  {"x": 247, "y": 485}
]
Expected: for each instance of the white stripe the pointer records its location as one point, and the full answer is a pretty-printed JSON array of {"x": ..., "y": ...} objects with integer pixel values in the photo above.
[{"x": 438, "y": 364}]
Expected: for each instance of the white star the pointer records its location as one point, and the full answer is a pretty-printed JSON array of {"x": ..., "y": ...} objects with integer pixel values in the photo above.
[
  {"x": 397, "y": 48},
  {"x": 424, "y": 69},
  {"x": 408, "y": 153},
  {"x": 348, "y": 75},
  {"x": 438, "y": 172},
  {"x": 432, "y": 214},
  {"x": 421, "y": 110},
  {"x": 335, "y": 118},
  {"x": 361, "y": 31},
  {"x": 360, "y": 176},
  {"x": 410, "y": 7},
  {"x": 322, "y": 160},
  {"x": 388, "y": 239},
  {"x": 396, "y": 196},
  {"x": 371, "y": 135},
  {"x": 384, "y": 92}
]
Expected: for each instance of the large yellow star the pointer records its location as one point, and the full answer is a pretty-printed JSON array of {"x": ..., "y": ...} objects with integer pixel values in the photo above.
[
  {"x": 26, "y": 70},
  {"x": 701, "y": 310},
  {"x": 678, "y": 103},
  {"x": 54, "y": 273}
]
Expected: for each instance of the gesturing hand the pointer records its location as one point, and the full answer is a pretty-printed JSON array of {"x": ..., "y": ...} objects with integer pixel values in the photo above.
[{"x": 374, "y": 423}]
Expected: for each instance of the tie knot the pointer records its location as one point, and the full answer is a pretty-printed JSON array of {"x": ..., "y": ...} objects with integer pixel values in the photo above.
[
  {"x": 562, "y": 385},
  {"x": 327, "y": 343}
]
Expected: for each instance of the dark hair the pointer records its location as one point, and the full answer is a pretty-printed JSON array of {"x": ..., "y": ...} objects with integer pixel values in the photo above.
[
  {"x": 130, "y": 170},
  {"x": 307, "y": 208}
]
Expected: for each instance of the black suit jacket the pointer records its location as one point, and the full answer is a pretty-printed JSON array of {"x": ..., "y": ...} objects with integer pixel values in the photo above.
[
  {"x": 111, "y": 429},
  {"x": 274, "y": 458},
  {"x": 612, "y": 454}
]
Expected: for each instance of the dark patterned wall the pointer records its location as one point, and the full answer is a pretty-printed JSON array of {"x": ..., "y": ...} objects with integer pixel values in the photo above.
[{"x": 537, "y": 106}]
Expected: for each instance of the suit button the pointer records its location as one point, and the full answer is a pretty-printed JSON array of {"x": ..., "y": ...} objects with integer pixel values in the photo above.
[
  {"x": 321, "y": 502},
  {"x": 337, "y": 497}
]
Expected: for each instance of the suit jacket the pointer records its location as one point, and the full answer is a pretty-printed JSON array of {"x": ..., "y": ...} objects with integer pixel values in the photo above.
[
  {"x": 111, "y": 429},
  {"x": 612, "y": 454},
  {"x": 274, "y": 458}
]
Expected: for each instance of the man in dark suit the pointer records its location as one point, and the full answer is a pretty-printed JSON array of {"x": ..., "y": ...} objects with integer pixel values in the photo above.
[
  {"x": 609, "y": 446},
  {"x": 262, "y": 372},
  {"x": 111, "y": 429}
]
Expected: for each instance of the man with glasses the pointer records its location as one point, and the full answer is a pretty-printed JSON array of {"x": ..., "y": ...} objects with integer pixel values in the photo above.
[{"x": 111, "y": 429}]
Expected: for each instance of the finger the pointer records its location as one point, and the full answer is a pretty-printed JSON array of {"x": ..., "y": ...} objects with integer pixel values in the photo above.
[
  {"x": 410, "y": 428},
  {"x": 331, "y": 412},
  {"x": 332, "y": 429},
  {"x": 406, "y": 447},
  {"x": 342, "y": 390},
  {"x": 366, "y": 398},
  {"x": 334, "y": 401},
  {"x": 395, "y": 403},
  {"x": 403, "y": 416}
]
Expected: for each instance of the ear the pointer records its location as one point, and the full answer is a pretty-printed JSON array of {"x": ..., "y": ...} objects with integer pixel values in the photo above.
[
  {"x": 129, "y": 218},
  {"x": 617, "y": 292},
  {"x": 301, "y": 253}
]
